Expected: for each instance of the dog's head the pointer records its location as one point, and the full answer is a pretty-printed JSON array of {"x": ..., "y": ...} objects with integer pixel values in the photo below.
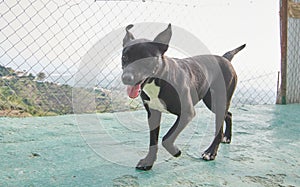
[{"x": 142, "y": 59}]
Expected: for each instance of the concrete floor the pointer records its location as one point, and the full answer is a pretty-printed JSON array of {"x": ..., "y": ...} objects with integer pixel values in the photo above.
[{"x": 103, "y": 149}]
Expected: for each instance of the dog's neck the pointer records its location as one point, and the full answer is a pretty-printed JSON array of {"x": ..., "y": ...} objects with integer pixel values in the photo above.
[
  {"x": 164, "y": 71},
  {"x": 161, "y": 65}
]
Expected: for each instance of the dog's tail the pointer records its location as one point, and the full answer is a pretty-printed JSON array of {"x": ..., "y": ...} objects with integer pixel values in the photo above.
[{"x": 230, "y": 54}]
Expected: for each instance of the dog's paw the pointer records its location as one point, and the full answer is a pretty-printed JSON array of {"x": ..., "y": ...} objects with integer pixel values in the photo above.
[
  {"x": 208, "y": 156},
  {"x": 177, "y": 154},
  {"x": 144, "y": 164},
  {"x": 226, "y": 140},
  {"x": 143, "y": 168}
]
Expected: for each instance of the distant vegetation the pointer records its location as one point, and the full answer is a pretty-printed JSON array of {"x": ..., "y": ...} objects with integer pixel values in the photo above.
[{"x": 27, "y": 95}]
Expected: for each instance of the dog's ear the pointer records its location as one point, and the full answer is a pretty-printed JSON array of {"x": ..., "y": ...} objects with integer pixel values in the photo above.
[
  {"x": 162, "y": 40},
  {"x": 128, "y": 37},
  {"x": 165, "y": 36}
]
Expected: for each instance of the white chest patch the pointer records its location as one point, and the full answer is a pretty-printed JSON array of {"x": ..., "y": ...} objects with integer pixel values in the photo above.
[{"x": 152, "y": 92}]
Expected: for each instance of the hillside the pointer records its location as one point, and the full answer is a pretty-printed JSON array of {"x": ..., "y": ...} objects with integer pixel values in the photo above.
[{"x": 23, "y": 95}]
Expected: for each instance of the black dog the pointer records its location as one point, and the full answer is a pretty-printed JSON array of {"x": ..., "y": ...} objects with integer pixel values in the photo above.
[{"x": 175, "y": 86}]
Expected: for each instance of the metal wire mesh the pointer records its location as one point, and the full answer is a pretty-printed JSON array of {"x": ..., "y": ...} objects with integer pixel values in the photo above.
[
  {"x": 293, "y": 60},
  {"x": 52, "y": 37}
]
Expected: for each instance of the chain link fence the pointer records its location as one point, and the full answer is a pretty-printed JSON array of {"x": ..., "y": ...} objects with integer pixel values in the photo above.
[{"x": 43, "y": 43}]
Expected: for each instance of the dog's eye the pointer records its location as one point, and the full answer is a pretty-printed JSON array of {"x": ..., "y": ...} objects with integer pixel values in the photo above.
[
  {"x": 125, "y": 58},
  {"x": 124, "y": 61}
]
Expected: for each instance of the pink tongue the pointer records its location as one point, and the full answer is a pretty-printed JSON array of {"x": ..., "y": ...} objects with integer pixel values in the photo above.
[{"x": 133, "y": 91}]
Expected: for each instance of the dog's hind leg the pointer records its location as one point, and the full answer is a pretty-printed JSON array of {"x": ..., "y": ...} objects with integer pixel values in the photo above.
[
  {"x": 154, "y": 118},
  {"x": 208, "y": 102},
  {"x": 216, "y": 101},
  {"x": 228, "y": 118},
  {"x": 228, "y": 131},
  {"x": 211, "y": 152}
]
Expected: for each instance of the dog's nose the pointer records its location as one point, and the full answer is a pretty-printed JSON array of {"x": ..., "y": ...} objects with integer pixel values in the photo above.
[{"x": 128, "y": 78}]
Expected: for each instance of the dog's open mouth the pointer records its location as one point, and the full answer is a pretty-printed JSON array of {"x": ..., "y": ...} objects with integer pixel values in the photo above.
[{"x": 133, "y": 91}]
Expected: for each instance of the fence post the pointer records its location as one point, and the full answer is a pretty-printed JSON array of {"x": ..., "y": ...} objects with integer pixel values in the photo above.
[{"x": 281, "y": 99}]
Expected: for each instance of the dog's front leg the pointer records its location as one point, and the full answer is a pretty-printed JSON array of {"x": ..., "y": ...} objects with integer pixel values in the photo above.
[
  {"x": 154, "y": 118},
  {"x": 180, "y": 123}
]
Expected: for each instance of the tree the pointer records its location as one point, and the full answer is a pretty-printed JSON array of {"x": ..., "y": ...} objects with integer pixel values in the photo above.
[
  {"x": 41, "y": 76},
  {"x": 31, "y": 77},
  {"x": 4, "y": 71}
]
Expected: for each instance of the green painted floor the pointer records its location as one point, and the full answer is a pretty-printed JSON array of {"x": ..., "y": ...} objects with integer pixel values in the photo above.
[{"x": 103, "y": 149}]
